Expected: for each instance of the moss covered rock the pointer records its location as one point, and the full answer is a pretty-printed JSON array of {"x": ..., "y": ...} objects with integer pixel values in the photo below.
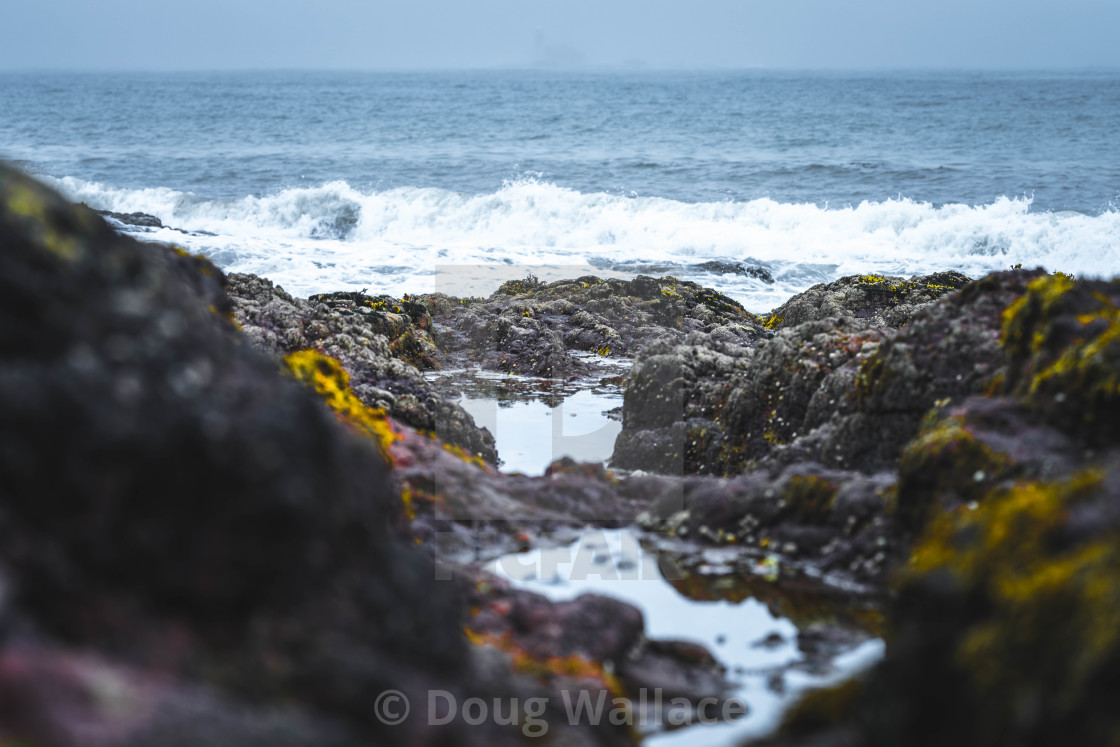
[{"x": 1004, "y": 628}]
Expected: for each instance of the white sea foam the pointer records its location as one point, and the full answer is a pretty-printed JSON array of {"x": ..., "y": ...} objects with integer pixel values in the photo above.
[{"x": 334, "y": 237}]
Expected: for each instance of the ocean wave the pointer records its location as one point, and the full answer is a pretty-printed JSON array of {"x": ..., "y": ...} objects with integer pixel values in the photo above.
[{"x": 325, "y": 237}]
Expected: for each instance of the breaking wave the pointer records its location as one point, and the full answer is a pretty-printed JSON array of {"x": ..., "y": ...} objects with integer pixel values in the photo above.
[{"x": 333, "y": 236}]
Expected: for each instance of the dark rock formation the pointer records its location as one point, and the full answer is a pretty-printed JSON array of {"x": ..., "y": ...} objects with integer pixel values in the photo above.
[
  {"x": 530, "y": 327},
  {"x": 1003, "y": 626},
  {"x": 135, "y": 415},
  {"x": 711, "y": 403},
  {"x": 360, "y": 332},
  {"x": 827, "y": 390},
  {"x": 718, "y": 267},
  {"x": 138, "y": 220},
  {"x": 831, "y": 521},
  {"x": 869, "y": 300}
]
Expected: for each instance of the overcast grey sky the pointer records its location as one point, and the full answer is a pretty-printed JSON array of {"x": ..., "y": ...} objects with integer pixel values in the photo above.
[{"x": 420, "y": 34}]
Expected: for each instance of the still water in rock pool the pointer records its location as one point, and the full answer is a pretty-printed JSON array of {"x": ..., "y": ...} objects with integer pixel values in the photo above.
[
  {"x": 739, "y": 608},
  {"x": 765, "y": 661},
  {"x": 536, "y": 421}
]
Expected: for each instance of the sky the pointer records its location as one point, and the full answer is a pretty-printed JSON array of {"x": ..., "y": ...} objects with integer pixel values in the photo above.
[{"x": 613, "y": 34}]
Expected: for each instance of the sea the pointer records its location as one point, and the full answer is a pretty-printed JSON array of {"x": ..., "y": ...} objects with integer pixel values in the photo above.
[{"x": 756, "y": 183}]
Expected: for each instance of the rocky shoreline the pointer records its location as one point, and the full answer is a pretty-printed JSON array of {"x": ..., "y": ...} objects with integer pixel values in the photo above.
[{"x": 251, "y": 514}]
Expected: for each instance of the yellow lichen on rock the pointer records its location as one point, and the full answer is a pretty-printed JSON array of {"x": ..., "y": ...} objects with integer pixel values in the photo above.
[
  {"x": 1063, "y": 337},
  {"x": 772, "y": 322},
  {"x": 1089, "y": 368},
  {"x": 27, "y": 202},
  {"x": 1048, "y": 610},
  {"x": 331, "y": 382},
  {"x": 464, "y": 455},
  {"x": 1023, "y": 331},
  {"x": 945, "y": 461}
]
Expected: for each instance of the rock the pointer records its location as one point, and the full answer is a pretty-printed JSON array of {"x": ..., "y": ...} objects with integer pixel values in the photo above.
[
  {"x": 595, "y": 639},
  {"x": 1064, "y": 341},
  {"x": 710, "y": 405},
  {"x": 949, "y": 349},
  {"x": 834, "y": 521},
  {"x": 119, "y": 385},
  {"x": 461, "y": 504},
  {"x": 533, "y": 328},
  {"x": 1005, "y": 603},
  {"x": 595, "y": 627},
  {"x": 56, "y": 697},
  {"x": 966, "y": 448},
  {"x": 361, "y": 332},
  {"x": 1002, "y": 627},
  {"x": 828, "y": 390},
  {"x": 140, "y": 220},
  {"x": 871, "y": 300},
  {"x": 734, "y": 268}
]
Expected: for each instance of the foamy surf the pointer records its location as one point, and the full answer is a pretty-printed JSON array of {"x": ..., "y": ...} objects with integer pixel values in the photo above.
[{"x": 413, "y": 239}]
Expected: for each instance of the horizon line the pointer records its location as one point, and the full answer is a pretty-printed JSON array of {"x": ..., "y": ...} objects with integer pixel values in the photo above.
[{"x": 631, "y": 69}]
